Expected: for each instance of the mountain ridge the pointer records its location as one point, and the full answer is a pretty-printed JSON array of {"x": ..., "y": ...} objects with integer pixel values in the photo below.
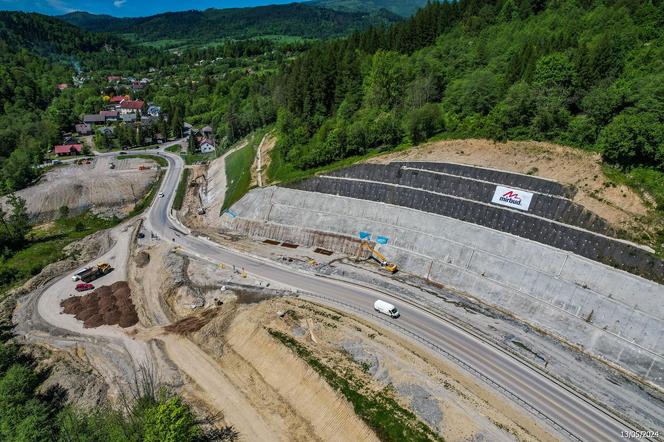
[{"x": 291, "y": 20}]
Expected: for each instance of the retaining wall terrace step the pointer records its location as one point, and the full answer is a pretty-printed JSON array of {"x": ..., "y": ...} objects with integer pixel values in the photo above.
[
  {"x": 545, "y": 205},
  {"x": 619, "y": 254}
]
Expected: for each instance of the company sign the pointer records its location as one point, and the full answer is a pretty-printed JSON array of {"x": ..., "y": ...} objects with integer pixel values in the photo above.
[
  {"x": 365, "y": 236},
  {"x": 514, "y": 198}
]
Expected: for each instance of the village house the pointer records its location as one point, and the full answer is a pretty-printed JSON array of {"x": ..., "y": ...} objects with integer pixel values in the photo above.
[
  {"x": 62, "y": 86},
  {"x": 84, "y": 129},
  {"x": 131, "y": 106},
  {"x": 106, "y": 131},
  {"x": 67, "y": 149},
  {"x": 129, "y": 118},
  {"x": 206, "y": 146},
  {"x": 114, "y": 78},
  {"x": 93, "y": 119},
  {"x": 110, "y": 115},
  {"x": 154, "y": 111},
  {"x": 117, "y": 99},
  {"x": 207, "y": 131}
]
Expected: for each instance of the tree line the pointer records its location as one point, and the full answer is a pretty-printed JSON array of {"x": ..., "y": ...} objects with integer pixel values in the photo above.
[{"x": 582, "y": 73}]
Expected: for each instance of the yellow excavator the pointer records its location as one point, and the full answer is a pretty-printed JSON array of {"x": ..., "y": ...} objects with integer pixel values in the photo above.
[{"x": 378, "y": 257}]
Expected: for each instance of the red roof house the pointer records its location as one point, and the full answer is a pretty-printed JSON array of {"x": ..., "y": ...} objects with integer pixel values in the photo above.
[
  {"x": 68, "y": 149},
  {"x": 114, "y": 78},
  {"x": 132, "y": 104},
  {"x": 119, "y": 98}
]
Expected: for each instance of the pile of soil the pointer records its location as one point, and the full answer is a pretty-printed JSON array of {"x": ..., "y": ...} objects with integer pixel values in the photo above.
[
  {"x": 107, "y": 305},
  {"x": 192, "y": 323}
]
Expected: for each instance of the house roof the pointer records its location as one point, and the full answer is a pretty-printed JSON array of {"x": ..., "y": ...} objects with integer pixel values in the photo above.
[
  {"x": 67, "y": 148},
  {"x": 129, "y": 117},
  {"x": 129, "y": 104},
  {"x": 109, "y": 113},
  {"x": 83, "y": 128},
  {"x": 207, "y": 141},
  {"x": 62, "y": 86},
  {"x": 114, "y": 78},
  {"x": 93, "y": 118},
  {"x": 119, "y": 98},
  {"x": 207, "y": 129}
]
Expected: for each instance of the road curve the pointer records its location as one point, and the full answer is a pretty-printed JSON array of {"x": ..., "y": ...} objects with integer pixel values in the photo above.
[{"x": 572, "y": 415}]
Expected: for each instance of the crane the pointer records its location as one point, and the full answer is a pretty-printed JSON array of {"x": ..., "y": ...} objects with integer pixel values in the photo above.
[{"x": 377, "y": 256}]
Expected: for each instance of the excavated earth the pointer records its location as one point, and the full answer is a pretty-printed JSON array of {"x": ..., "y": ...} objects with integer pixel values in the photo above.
[{"x": 107, "y": 305}]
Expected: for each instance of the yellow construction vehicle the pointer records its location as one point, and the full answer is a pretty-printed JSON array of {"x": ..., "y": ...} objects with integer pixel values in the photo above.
[{"x": 378, "y": 257}]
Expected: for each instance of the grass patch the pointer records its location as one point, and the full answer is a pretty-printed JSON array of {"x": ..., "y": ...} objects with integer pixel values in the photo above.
[
  {"x": 649, "y": 184},
  {"x": 182, "y": 189},
  {"x": 380, "y": 411},
  {"x": 148, "y": 198},
  {"x": 238, "y": 170},
  {"x": 191, "y": 158},
  {"x": 176, "y": 148},
  {"x": 46, "y": 246},
  {"x": 159, "y": 160},
  {"x": 282, "y": 171}
]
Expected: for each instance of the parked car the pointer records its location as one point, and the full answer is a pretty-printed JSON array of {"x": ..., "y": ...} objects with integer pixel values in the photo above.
[
  {"x": 386, "y": 308},
  {"x": 84, "y": 287}
]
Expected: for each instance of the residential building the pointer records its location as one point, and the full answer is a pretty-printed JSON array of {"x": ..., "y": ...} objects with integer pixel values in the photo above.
[
  {"x": 93, "y": 119},
  {"x": 206, "y": 146},
  {"x": 154, "y": 111},
  {"x": 131, "y": 106},
  {"x": 110, "y": 115},
  {"x": 107, "y": 131},
  {"x": 67, "y": 149},
  {"x": 84, "y": 129},
  {"x": 207, "y": 131},
  {"x": 129, "y": 118}
]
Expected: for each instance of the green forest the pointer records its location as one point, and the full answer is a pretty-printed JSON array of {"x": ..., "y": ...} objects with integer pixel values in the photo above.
[
  {"x": 586, "y": 74},
  {"x": 213, "y": 25}
]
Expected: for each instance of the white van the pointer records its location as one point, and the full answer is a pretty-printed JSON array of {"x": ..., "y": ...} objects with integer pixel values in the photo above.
[{"x": 386, "y": 308}]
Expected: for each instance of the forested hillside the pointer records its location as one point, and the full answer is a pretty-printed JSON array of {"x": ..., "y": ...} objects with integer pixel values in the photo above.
[
  {"x": 404, "y": 8},
  {"x": 292, "y": 20},
  {"x": 36, "y": 54},
  {"x": 587, "y": 74}
]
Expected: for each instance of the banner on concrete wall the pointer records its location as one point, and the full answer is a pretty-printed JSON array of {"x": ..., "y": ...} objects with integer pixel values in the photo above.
[
  {"x": 382, "y": 240},
  {"x": 514, "y": 198}
]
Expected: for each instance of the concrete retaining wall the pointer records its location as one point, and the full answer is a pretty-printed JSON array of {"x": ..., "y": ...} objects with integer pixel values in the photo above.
[
  {"x": 610, "y": 313},
  {"x": 620, "y": 254}
]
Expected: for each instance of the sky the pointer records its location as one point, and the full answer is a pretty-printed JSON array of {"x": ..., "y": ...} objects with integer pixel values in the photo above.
[{"x": 125, "y": 8}]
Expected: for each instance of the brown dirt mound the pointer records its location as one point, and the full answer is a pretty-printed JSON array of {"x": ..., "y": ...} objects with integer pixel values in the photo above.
[
  {"x": 192, "y": 323},
  {"x": 107, "y": 305}
]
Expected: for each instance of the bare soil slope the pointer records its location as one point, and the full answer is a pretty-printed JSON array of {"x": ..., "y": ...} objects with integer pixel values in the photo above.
[{"x": 94, "y": 186}]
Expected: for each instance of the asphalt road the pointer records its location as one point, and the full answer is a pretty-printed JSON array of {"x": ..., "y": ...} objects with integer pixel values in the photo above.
[{"x": 573, "y": 416}]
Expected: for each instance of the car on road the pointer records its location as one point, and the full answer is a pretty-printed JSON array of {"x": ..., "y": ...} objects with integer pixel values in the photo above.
[
  {"x": 122, "y": 153},
  {"x": 84, "y": 287},
  {"x": 161, "y": 194},
  {"x": 386, "y": 308}
]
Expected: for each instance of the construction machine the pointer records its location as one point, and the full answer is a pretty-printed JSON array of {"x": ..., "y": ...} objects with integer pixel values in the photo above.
[
  {"x": 95, "y": 272},
  {"x": 378, "y": 257}
]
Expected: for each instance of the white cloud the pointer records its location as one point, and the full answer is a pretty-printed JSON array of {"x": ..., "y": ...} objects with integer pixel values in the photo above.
[
  {"x": 119, "y": 3},
  {"x": 60, "y": 6}
]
